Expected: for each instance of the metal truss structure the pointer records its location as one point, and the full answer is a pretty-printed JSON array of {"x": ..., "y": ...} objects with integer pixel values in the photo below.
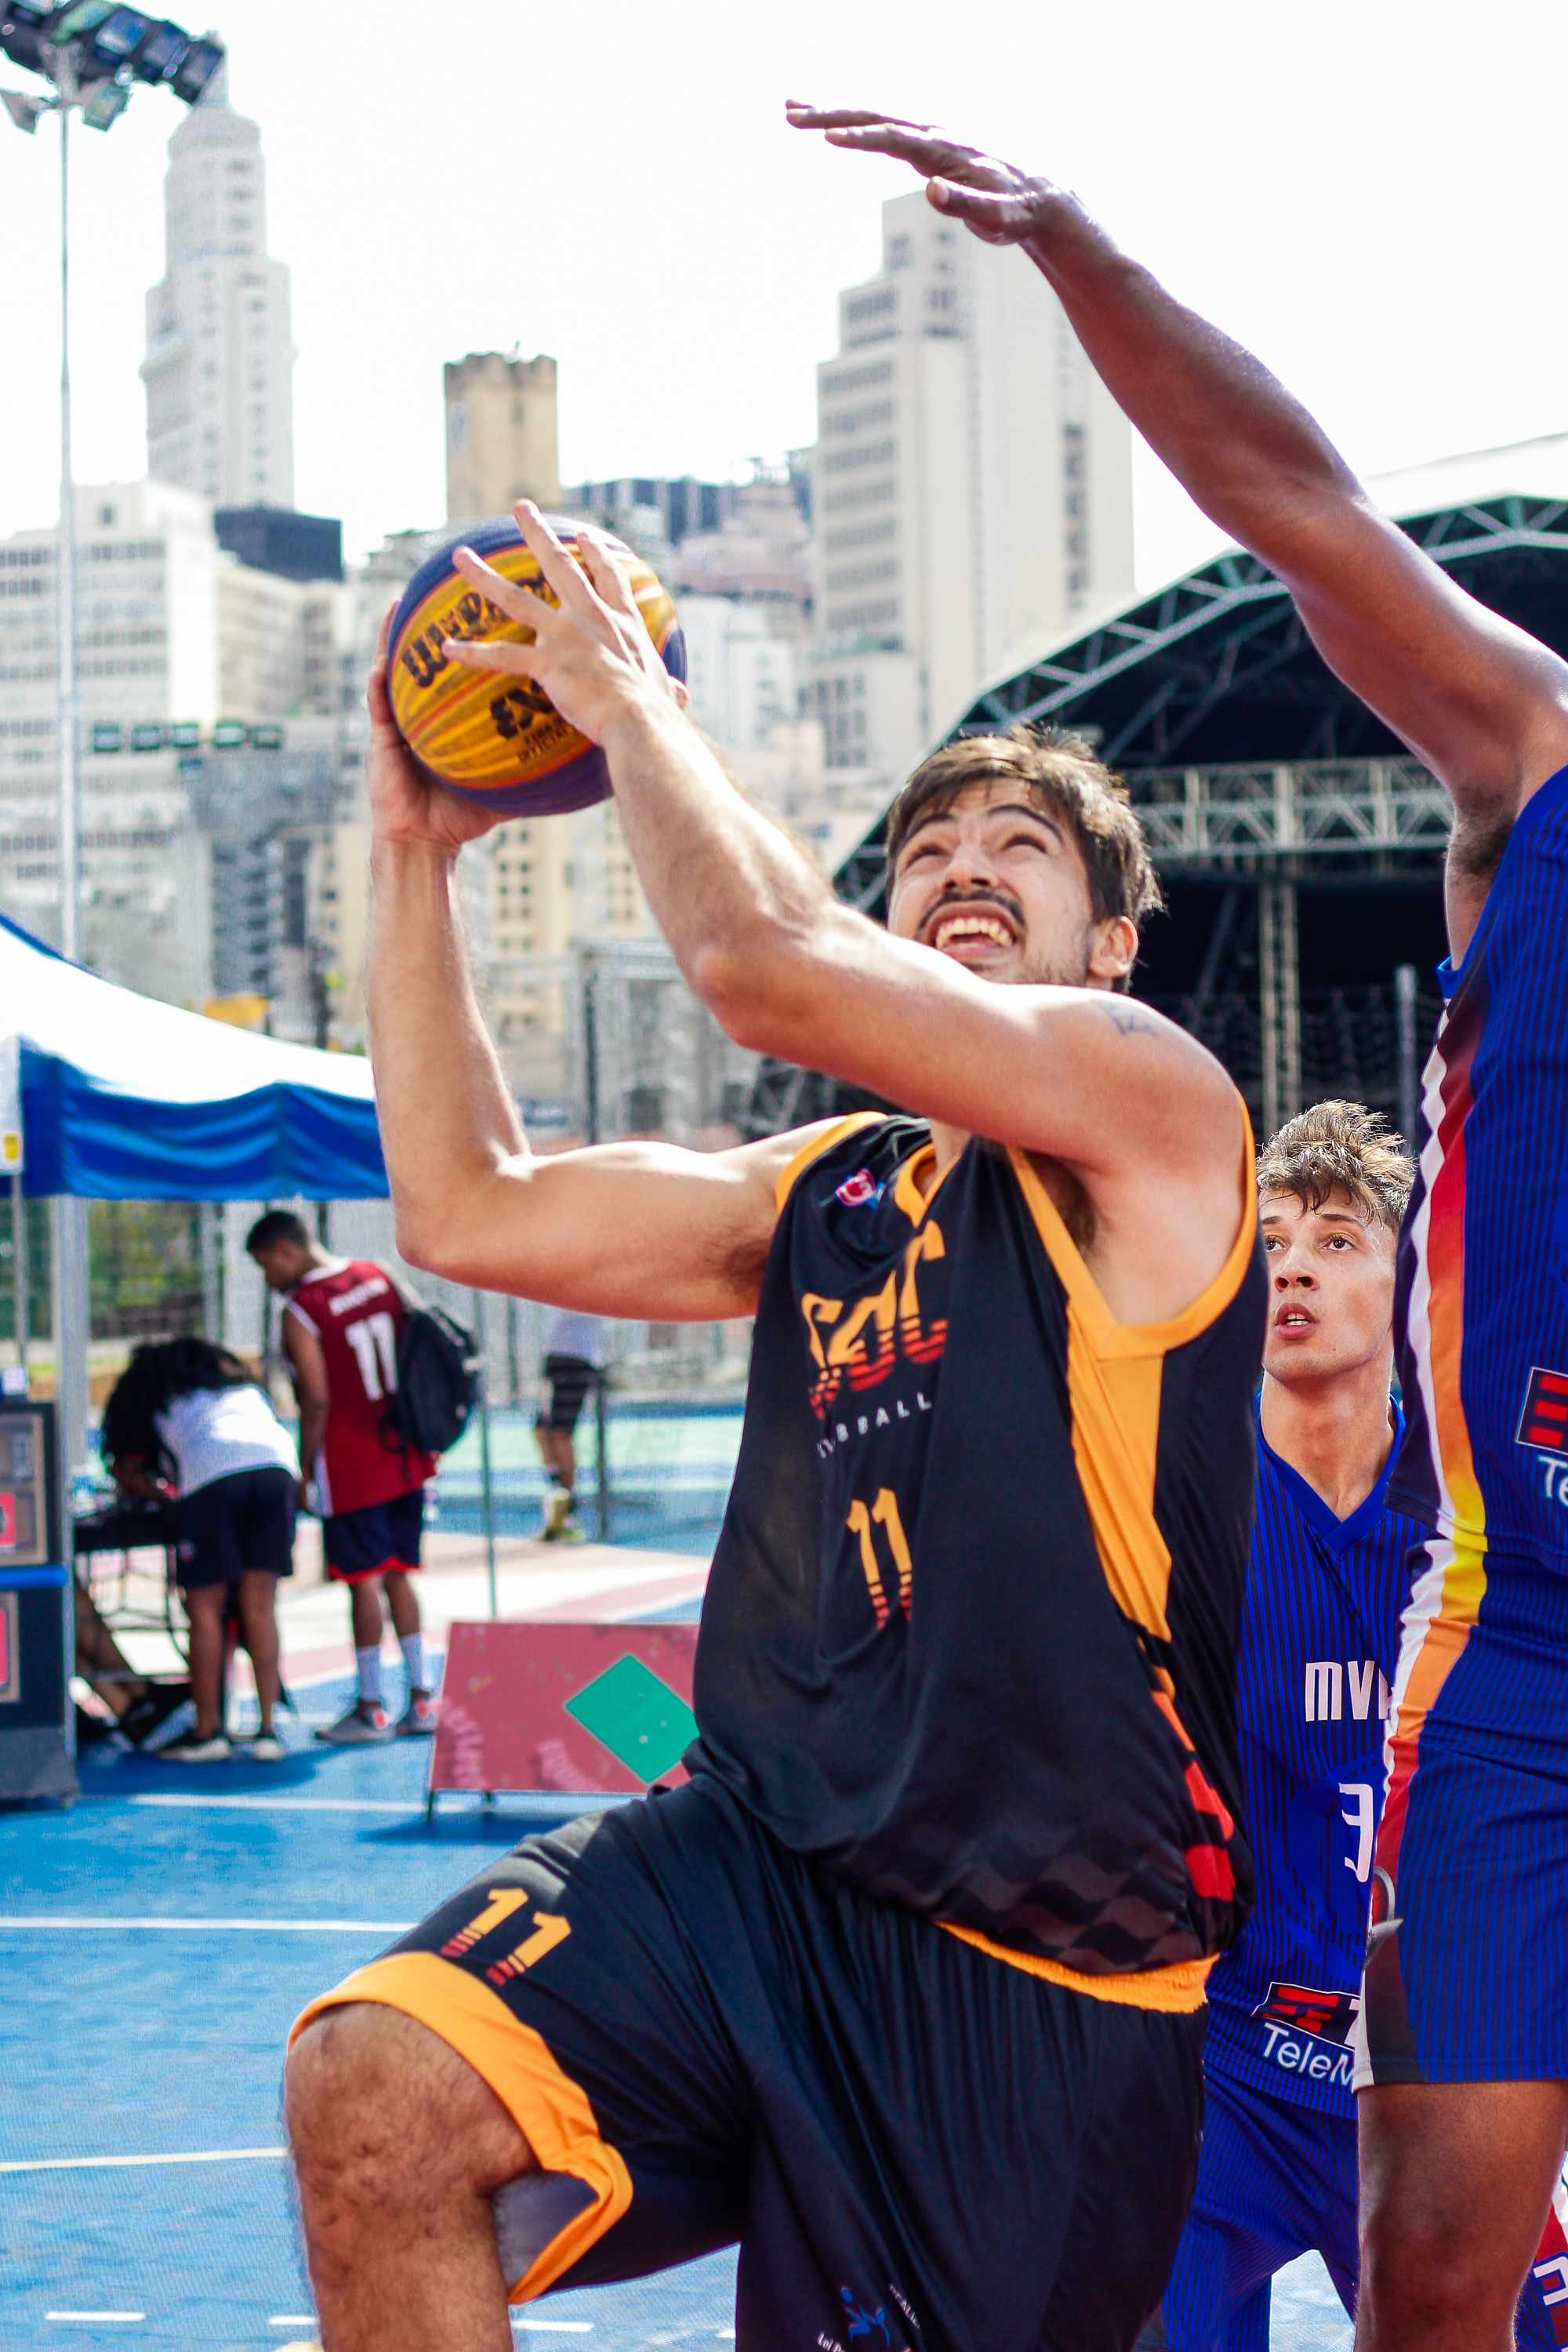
[{"x": 1247, "y": 759}]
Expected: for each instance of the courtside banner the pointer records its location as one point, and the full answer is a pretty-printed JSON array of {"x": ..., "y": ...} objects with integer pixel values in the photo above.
[{"x": 583, "y": 1710}]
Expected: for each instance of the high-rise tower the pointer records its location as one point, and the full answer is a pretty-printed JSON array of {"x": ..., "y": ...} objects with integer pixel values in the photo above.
[
  {"x": 220, "y": 356},
  {"x": 973, "y": 488}
]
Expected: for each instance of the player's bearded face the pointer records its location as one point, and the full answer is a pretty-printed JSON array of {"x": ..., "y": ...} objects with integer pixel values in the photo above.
[{"x": 996, "y": 884}]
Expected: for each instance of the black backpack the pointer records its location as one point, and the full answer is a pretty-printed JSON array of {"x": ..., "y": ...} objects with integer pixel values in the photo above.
[{"x": 437, "y": 1380}]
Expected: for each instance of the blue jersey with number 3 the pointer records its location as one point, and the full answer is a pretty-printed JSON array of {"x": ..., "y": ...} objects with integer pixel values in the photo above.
[{"x": 1319, "y": 1634}]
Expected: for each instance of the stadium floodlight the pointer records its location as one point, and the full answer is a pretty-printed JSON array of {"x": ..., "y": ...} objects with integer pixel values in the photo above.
[
  {"x": 159, "y": 53},
  {"x": 118, "y": 39},
  {"x": 106, "y": 105},
  {"x": 70, "y": 24},
  {"x": 23, "y": 111},
  {"x": 190, "y": 78}
]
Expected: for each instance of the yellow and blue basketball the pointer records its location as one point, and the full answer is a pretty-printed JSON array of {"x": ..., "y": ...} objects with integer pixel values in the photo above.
[{"x": 492, "y": 738}]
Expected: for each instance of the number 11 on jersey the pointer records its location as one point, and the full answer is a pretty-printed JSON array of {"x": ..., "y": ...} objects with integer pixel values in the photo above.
[{"x": 883, "y": 1513}]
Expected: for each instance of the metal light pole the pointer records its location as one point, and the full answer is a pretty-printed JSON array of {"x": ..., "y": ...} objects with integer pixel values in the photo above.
[
  {"x": 92, "y": 57},
  {"x": 73, "y": 1305}
]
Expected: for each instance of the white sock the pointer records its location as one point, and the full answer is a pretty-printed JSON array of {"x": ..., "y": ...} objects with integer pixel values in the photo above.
[
  {"x": 413, "y": 1648},
  {"x": 370, "y": 1674}
]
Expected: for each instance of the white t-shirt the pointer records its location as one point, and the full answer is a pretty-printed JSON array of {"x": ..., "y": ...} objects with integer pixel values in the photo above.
[
  {"x": 577, "y": 1334},
  {"x": 213, "y": 1432}
]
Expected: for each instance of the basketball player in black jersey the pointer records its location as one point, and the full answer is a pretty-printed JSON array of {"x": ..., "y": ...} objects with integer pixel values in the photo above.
[{"x": 902, "y": 1987}]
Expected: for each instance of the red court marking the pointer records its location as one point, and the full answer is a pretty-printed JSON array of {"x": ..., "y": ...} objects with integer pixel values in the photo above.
[{"x": 504, "y": 1722}]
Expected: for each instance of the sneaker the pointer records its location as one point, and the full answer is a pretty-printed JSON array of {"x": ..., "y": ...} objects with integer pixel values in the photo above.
[
  {"x": 190, "y": 1748},
  {"x": 153, "y": 1710},
  {"x": 364, "y": 1726},
  {"x": 417, "y": 1721},
  {"x": 557, "y": 1508},
  {"x": 265, "y": 1749}
]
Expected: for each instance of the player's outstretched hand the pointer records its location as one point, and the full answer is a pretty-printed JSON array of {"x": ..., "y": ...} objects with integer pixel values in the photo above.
[
  {"x": 587, "y": 648},
  {"x": 1000, "y": 204},
  {"x": 407, "y": 805}
]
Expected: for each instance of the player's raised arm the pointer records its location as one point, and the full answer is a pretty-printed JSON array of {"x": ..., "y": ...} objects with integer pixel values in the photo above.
[
  {"x": 640, "y": 1230},
  {"x": 995, "y": 884},
  {"x": 1484, "y": 704}
]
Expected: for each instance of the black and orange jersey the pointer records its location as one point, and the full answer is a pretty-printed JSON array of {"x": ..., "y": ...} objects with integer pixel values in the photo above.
[{"x": 970, "y": 1635}]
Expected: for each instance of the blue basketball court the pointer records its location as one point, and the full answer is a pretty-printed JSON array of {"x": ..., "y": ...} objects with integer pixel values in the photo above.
[{"x": 155, "y": 1943}]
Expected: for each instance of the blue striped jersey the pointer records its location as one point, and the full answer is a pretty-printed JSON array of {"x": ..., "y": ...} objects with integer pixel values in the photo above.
[{"x": 1319, "y": 1634}]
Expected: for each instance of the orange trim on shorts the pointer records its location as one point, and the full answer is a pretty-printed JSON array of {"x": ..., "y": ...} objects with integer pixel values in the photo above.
[
  {"x": 1178, "y": 1990},
  {"x": 551, "y": 2111}
]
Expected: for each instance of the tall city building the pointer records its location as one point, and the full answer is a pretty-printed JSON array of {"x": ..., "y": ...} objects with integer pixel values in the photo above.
[
  {"x": 501, "y": 434},
  {"x": 195, "y": 796},
  {"x": 972, "y": 486},
  {"x": 220, "y": 355}
]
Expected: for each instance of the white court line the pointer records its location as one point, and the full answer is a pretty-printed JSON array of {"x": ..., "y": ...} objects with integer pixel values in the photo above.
[
  {"x": 99, "y": 2318},
  {"x": 292, "y": 2319},
  {"x": 222, "y": 1927},
  {"x": 102, "y": 2163},
  {"x": 556, "y": 2326},
  {"x": 284, "y": 1804}
]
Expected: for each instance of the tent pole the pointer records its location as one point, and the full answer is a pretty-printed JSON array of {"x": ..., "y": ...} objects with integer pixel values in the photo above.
[
  {"x": 20, "y": 1275},
  {"x": 70, "y": 1340}
]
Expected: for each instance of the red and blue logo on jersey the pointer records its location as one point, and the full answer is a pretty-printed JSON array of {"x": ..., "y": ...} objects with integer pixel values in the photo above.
[
  {"x": 1544, "y": 1420},
  {"x": 860, "y": 1190},
  {"x": 1326, "y": 2016}
]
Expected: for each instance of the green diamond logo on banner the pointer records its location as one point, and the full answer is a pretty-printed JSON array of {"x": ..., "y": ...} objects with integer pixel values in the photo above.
[{"x": 645, "y": 1725}]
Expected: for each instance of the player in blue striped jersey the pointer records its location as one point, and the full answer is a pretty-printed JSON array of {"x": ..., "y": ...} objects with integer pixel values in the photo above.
[{"x": 1277, "y": 2173}]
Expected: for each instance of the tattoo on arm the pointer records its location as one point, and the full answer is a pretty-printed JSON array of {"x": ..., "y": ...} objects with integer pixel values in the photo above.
[{"x": 1129, "y": 1020}]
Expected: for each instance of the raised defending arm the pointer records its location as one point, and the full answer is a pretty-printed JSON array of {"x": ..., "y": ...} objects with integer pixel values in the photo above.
[{"x": 1482, "y": 704}]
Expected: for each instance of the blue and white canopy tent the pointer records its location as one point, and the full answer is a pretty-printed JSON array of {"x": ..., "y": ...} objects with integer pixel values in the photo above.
[
  {"x": 109, "y": 1095},
  {"x": 118, "y": 1097}
]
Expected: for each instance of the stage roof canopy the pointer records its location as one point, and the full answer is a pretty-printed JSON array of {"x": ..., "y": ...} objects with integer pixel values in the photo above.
[{"x": 1217, "y": 670}]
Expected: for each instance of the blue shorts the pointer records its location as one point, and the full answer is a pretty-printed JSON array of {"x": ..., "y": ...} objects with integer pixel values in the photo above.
[
  {"x": 1274, "y": 2180},
  {"x": 369, "y": 1541},
  {"x": 1466, "y": 1972}
]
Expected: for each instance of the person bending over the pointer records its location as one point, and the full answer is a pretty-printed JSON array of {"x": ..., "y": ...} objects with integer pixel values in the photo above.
[
  {"x": 573, "y": 1361},
  {"x": 188, "y": 1415},
  {"x": 342, "y": 1319},
  {"x": 1462, "y": 2037},
  {"x": 902, "y": 1987}
]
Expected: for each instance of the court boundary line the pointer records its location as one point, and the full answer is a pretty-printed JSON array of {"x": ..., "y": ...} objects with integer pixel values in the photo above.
[
  {"x": 76, "y": 1925},
  {"x": 119, "y": 2163}
]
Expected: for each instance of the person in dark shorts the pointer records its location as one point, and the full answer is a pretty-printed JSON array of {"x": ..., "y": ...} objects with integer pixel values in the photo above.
[
  {"x": 342, "y": 1321},
  {"x": 573, "y": 1361},
  {"x": 189, "y": 1416},
  {"x": 902, "y": 1985}
]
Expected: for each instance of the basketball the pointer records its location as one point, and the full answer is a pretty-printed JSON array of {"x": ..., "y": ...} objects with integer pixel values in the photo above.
[{"x": 495, "y": 738}]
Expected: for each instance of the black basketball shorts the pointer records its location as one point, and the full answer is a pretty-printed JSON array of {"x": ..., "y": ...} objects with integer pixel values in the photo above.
[
  {"x": 705, "y": 2038},
  {"x": 375, "y": 1538},
  {"x": 243, "y": 1521},
  {"x": 569, "y": 1379}
]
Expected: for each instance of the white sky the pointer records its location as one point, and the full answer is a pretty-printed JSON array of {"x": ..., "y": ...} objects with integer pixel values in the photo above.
[{"x": 1370, "y": 194}]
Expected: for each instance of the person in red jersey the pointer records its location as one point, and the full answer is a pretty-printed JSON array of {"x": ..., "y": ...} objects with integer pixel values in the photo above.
[{"x": 341, "y": 1326}]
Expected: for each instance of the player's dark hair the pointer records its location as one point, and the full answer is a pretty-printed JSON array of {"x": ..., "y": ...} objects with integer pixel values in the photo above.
[
  {"x": 1340, "y": 1147},
  {"x": 1061, "y": 773},
  {"x": 278, "y": 1226},
  {"x": 159, "y": 1371}
]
